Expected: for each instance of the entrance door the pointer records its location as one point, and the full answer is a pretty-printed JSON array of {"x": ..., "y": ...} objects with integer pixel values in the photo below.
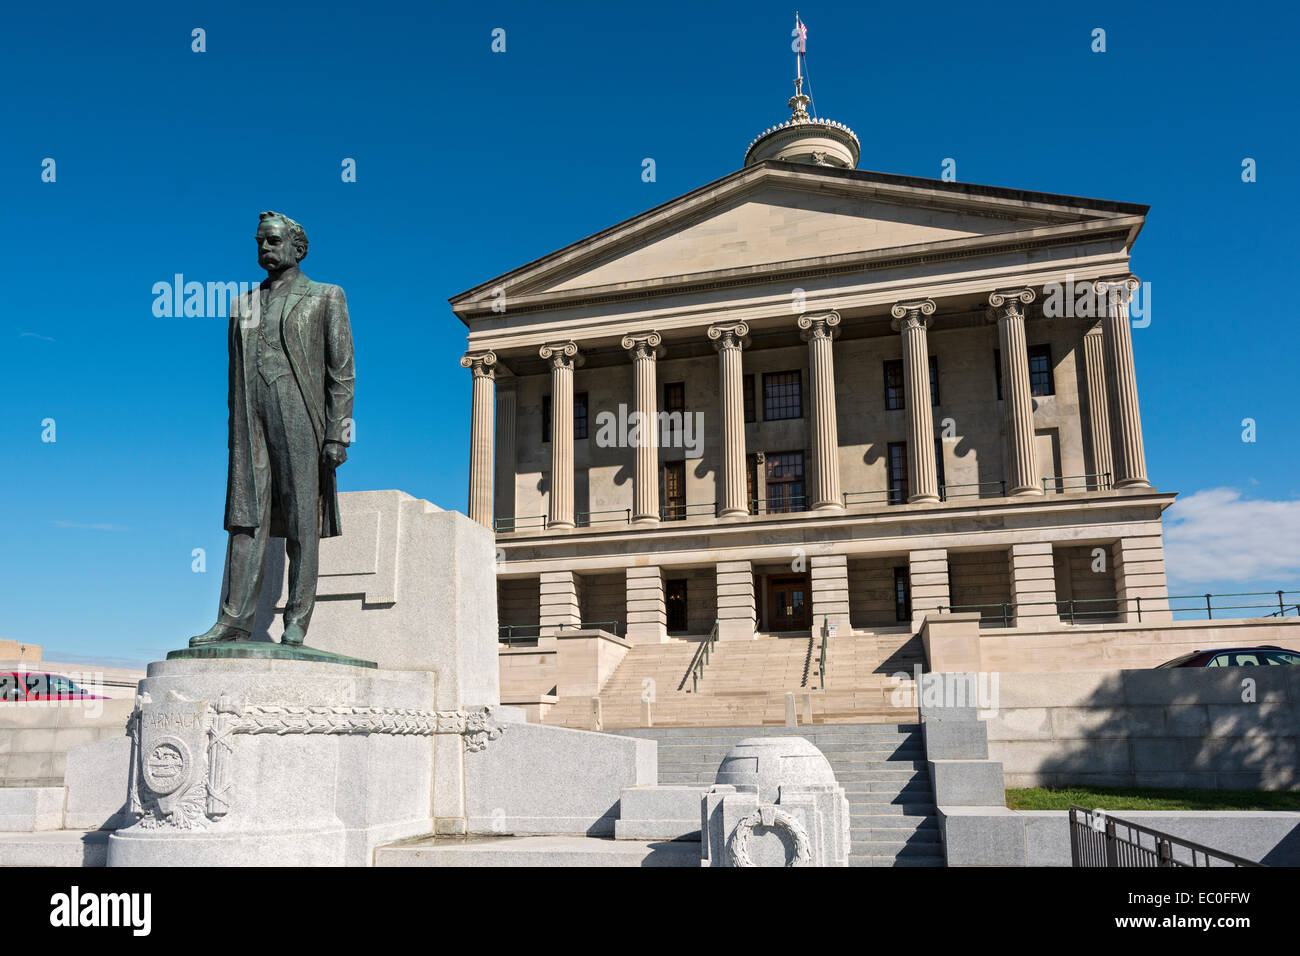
[{"x": 788, "y": 608}]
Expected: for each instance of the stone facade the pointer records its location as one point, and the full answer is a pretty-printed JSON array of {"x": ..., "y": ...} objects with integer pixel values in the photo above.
[{"x": 805, "y": 396}]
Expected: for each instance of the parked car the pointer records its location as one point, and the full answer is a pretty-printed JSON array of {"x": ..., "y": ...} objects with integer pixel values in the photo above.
[
  {"x": 1236, "y": 657},
  {"x": 18, "y": 686}
]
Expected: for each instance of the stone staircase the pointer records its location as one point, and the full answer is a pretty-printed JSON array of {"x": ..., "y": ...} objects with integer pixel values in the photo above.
[
  {"x": 881, "y": 767},
  {"x": 746, "y": 683}
]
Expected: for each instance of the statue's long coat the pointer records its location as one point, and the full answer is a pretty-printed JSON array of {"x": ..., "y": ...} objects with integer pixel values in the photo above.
[{"x": 317, "y": 340}]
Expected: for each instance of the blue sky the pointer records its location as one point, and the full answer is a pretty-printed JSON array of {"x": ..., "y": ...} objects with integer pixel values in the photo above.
[{"x": 471, "y": 162}]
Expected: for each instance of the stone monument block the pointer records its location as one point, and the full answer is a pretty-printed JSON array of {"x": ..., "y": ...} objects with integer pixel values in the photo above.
[{"x": 775, "y": 803}]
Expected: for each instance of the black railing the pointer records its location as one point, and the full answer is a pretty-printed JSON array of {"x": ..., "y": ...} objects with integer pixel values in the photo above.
[
  {"x": 699, "y": 660},
  {"x": 529, "y": 633},
  {"x": 682, "y": 512},
  {"x": 1062, "y": 483},
  {"x": 585, "y": 519},
  {"x": 1083, "y": 610},
  {"x": 1098, "y": 839},
  {"x": 506, "y": 525},
  {"x": 778, "y": 506},
  {"x": 946, "y": 492}
]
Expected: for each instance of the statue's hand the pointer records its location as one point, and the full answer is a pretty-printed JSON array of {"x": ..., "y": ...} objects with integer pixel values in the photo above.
[{"x": 334, "y": 454}]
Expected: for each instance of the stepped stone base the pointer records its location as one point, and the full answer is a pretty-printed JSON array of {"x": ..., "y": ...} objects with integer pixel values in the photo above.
[
  {"x": 548, "y": 851},
  {"x": 54, "y": 848}
]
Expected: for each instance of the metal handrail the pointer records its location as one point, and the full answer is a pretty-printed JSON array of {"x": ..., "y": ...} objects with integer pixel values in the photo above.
[
  {"x": 512, "y": 524},
  {"x": 1204, "y": 602},
  {"x": 700, "y": 660},
  {"x": 594, "y": 626},
  {"x": 1095, "y": 841},
  {"x": 506, "y": 633},
  {"x": 681, "y": 512},
  {"x": 1060, "y": 481},
  {"x": 625, "y": 512},
  {"x": 887, "y": 492},
  {"x": 821, "y": 664},
  {"x": 1000, "y": 485},
  {"x": 754, "y": 503}
]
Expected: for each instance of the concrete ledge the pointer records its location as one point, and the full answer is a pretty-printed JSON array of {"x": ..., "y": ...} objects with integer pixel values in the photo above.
[
  {"x": 660, "y": 813},
  {"x": 983, "y": 836},
  {"x": 547, "y": 851},
  {"x": 29, "y": 809},
  {"x": 967, "y": 783},
  {"x": 54, "y": 848}
]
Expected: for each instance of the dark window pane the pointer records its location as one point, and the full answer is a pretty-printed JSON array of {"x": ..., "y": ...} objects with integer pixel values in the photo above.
[
  {"x": 546, "y": 418},
  {"x": 1040, "y": 370},
  {"x": 902, "y": 595},
  {"x": 782, "y": 396},
  {"x": 934, "y": 380},
  {"x": 580, "y": 415},
  {"x": 894, "y": 384},
  {"x": 751, "y": 483},
  {"x": 938, "y": 463},
  {"x": 675, "y": 601},
  {"x": 897, "y": 463},
  {"x": 997, "y": 370},
  {"x": 674, "y": 490},
  {"x": 675, "y": 397},
  {"x": 747, "y": 386},
  {"x": 785, "y": 482}
]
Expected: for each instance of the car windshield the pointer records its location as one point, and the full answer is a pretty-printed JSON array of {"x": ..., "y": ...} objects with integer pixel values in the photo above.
[{"x": 1177, "y": 661}]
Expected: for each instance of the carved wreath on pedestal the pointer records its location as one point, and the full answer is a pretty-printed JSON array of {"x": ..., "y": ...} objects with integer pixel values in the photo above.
[
  {"x": 181, "y": 749},
  {"x": 771, "y": 816}
]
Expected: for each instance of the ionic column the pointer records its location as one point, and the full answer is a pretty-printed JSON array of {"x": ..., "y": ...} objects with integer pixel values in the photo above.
[
  {"x": 482, "y": 427},
  {"x": 912, "y": 320},
  {"x": 819, "y": 331},
  {"x": 1007, "y": 308},
  {"x": 1094, "y": 361},
  {"x": 643, "y": 350},
  {"x": 1121, "y": 383},
  {"x": 729, "y": 339},
  {"x": 562, "y": 356}
]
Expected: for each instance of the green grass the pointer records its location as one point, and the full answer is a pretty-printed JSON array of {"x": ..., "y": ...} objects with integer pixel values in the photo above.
[{"x": 1138, "y": 798}]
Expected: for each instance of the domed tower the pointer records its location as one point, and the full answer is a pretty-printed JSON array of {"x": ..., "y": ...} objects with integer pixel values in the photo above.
[{"x": 804, "y": 138}]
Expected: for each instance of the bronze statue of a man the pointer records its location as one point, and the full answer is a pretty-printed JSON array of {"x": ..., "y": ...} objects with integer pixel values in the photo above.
[{"x": 291, "y": 386}]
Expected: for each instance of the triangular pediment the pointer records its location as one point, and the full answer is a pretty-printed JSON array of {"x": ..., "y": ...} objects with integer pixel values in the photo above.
[{"x": 782, "y": 216}]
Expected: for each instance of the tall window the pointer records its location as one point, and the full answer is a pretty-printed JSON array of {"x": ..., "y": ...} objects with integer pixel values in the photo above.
[
  {"x": 782, "y": 395},
  {"x": 751, "y": 483},
  {"x": 1041, "y": 380},
  {"x": 894, "y": 395},
  {"x": 674, "y": 404},
  {"x": 747, "y": 386},
  {"x": 934, "y": 380},
  {"x": 902, "y": 595},
  {"x": 579, "y": 416},
  {"x": 675, "y": 603},
  {"x": 674, "y": 490},
  {"x": 1040, "y": 370},
  {"x": 785, "y": 487},
  {"x": 896, "y": 460},
  {"x": 938, "y": 465}
]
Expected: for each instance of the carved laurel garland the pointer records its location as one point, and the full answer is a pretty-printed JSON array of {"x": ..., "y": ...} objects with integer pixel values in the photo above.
[{"x": 769, "y": 816}]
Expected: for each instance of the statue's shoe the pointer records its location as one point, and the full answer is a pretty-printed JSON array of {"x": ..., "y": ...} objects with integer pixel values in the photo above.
[
  {"x": 293, "y": 635},
  {"x": 217, "y": 634}
]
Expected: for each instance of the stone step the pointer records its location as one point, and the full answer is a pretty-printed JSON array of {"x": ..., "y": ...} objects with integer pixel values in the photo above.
[
  {"x": 936, "y": 859},
  {"x": 865, "y": 816},
  {"x": 877, "y": 835}
]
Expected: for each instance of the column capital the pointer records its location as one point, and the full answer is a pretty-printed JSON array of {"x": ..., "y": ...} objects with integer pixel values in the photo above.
[
  {"x": 1120, "y": 287},
  {"x": 819, "y": 325},
  {"x": 729, "y": 335},
  {"x": 1009, "y": 303},
  {"x": 643, "y": 345},
  {"x": 481, "y": 362},
  {"x": 561, "y": 354},
  {"x": 911, "y": 314}
]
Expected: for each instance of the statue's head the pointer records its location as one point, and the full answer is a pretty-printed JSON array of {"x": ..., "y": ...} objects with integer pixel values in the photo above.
[{"x": 281, "y": 242}]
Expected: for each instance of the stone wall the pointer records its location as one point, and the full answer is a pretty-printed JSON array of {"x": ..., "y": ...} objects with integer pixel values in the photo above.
[
  {"x": 1204, "y": 728},
  {"x": 980, "y": 577},
  {"x": 35, "y": 737},
  {"x": 604, "y": 599},
  {"x": 871, "y": 591}
]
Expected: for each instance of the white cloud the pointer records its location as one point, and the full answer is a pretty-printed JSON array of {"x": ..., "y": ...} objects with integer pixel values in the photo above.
[
  {"x": 89, "y": 527},
  {"x": 1216, "y": 535}
]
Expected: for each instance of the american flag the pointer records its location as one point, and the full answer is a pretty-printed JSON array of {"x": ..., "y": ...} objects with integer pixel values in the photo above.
[{"x": 800, "y": 34}]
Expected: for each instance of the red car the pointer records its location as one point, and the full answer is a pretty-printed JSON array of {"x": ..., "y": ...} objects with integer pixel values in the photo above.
[
  {"x": 1236, "y": 657},
  {"x": 18, "y": 686}
]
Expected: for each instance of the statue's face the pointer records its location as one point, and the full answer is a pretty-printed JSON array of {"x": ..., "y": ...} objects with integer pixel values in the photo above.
[{"x": 275, "y": 251}]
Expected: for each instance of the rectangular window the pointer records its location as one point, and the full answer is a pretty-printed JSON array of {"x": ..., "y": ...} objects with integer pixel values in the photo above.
[
  {"x": 747, "y": 386},
  {"x": 894, "y": 385},
  {"x": 938, "y": 465},
  {"x": 579, "y": 416},
  {"x": 675, "y": 406},
  {"x": 1040, "y": 370},
  {"x": 934, "y": 381},
  {"x": 674, "y": 490},
  {"x": 997, "y": 371},
  {"x": 902, "y": 595},
  {"x": 751, "y": 483},
  {"x": 782, "y": 396},
  {"x": 785, "y": 487},
  {"x": 897, "y": 463},
  {"x": 675, "y": 603}
]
